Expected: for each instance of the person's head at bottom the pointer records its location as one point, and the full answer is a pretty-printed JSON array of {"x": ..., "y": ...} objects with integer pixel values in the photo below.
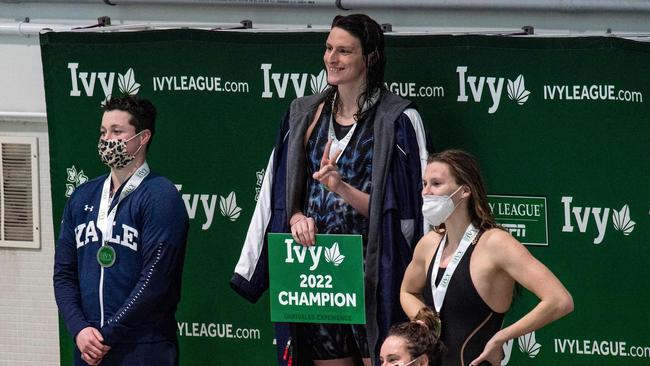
[{"x": 414, "y": 343}]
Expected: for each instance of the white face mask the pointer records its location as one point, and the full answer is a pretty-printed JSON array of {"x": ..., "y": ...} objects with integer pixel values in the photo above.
[{"x": 437, "y": 209}]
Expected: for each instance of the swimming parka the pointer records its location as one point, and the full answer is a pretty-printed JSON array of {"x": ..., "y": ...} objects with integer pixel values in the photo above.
[{"x": 395, "y": 215}]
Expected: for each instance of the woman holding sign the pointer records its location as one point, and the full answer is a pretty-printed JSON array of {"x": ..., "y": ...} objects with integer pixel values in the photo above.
[
  {"x": 467, "y": 267},
  {"x": 348, "y": 161}
]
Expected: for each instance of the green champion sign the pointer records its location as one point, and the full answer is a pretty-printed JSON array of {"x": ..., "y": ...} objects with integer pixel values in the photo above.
[
  {"x": 318, "y": 284},
  {"x": 523, "y": 216}
]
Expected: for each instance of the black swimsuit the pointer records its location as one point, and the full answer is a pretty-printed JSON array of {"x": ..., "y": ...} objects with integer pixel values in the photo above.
[{"x": 468, "y": 323}]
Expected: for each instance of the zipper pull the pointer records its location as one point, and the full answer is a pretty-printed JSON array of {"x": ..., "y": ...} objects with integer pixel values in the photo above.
[{"x": 286, "y": 350}]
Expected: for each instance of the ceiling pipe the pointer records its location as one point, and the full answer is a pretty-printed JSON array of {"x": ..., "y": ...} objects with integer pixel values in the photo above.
[
  {"x": 29, "y": 29},
  {"x": 567, "y": 6}
]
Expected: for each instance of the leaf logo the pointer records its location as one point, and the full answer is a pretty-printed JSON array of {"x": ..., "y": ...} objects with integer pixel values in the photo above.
[
  {"x": 332, "y": 255},
  {"x": 260, "y": 177},
  {"x": 127, "y": 83},
  {"x": 228, "y": 206},
  {"x": 75, "y": 179},
  {"x": 528, "y": 345},
  {"x": 69, "y": 188},
  {"x": 517, "y": 91},
  {"x": 622, "y": 221},
  {"x": 260, "y": 180},
  {"x": 318, "y": 82},
  {"x": 72, "y": 174}
]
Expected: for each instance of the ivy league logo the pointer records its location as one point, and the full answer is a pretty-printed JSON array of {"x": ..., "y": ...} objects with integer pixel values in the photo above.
[
  {"x": 278, "y": 83},
  {"x": 477, "y": 84},
  {"x": 584, "y": 217},
  {"x": 87, "y": 82},
  {"x": 523, "y": 216},
  {"x": 332, "y": 254}
]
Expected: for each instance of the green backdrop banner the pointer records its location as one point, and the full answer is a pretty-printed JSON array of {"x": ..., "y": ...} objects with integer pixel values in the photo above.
[{"x": 560, "y": 127}]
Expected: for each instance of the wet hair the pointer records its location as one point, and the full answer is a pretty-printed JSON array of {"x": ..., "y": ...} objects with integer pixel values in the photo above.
[
  {"x": 465, "y": 171},
  {"x": 142, "y": 111},
  {"x": 422, "y": 339},
  {"x": 371, "y": 37}
]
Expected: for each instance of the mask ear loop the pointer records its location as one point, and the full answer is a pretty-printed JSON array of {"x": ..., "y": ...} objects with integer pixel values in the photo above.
[
  {"x": 461, "y": 198},
  {"x": 138, "y": 150},
  {"x": 413, "y": 361},
  {"x": 139, "y": 147},
  {"x": 134, "y": 136}
]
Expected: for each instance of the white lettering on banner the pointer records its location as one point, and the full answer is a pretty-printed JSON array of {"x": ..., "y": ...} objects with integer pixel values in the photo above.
[
  {"x": 621, "y": 219},
  {"x": 516, "y": 88},
  {"x": 198, "y": 83},
  {"x": 88, "y": 81},
  {"x": 330, "y": 299},
  {"x": 403, "y": 89},
  {"x": 216, "y": 330},
  {"x": 412, "y": 90},
  {"x": 519, "y": 209},
  {"x": 516, "y": 229},
  {"x": 581, "y": 215},
  {"x": 126, "y": 82},
  {"x": 507, "y": 351},
  {"x": 592, "y": 347},
  {"x": 301, "y": 251},
  {"x": 591, "y": 92},
  {"x": 281, "y": 81},
  {"x": 477, "y": 89},
  {"x": 208, "y": 203},
  {"x": 209, "y": 83}
]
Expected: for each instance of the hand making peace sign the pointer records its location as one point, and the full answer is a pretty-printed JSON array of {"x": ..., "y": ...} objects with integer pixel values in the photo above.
[{"x": 328, "y": 174}]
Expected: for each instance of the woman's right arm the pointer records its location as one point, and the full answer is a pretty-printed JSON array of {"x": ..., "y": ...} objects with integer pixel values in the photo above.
[
  {"x": 303, "y": 229},
  {"x": 415, "y": 277}
]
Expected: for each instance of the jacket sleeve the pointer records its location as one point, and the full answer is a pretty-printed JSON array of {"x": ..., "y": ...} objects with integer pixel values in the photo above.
[
  {"x": 421, "y": 136},
  {"x": 250, "y": 279},
  {"x": 157, "y": 292},
  {"x": 65, "y": 278},
  {"x": 402, "y": 215}
]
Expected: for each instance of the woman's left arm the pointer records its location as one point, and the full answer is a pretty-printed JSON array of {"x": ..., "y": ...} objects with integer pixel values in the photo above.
[{"x": 511, "y": 257}]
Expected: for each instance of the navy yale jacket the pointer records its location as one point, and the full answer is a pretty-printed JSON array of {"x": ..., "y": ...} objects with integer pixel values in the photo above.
[{"x": 134, "y": 300}]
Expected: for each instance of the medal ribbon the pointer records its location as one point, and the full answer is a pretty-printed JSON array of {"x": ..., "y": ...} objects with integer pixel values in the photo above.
[
  {"x": 105, "y": 220},
  {"x": 339, "y": 144},
  {"x": 440, "y": 291},
  {"x": 343, "y": 143},
  {"x": 104, "y": 217}
]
